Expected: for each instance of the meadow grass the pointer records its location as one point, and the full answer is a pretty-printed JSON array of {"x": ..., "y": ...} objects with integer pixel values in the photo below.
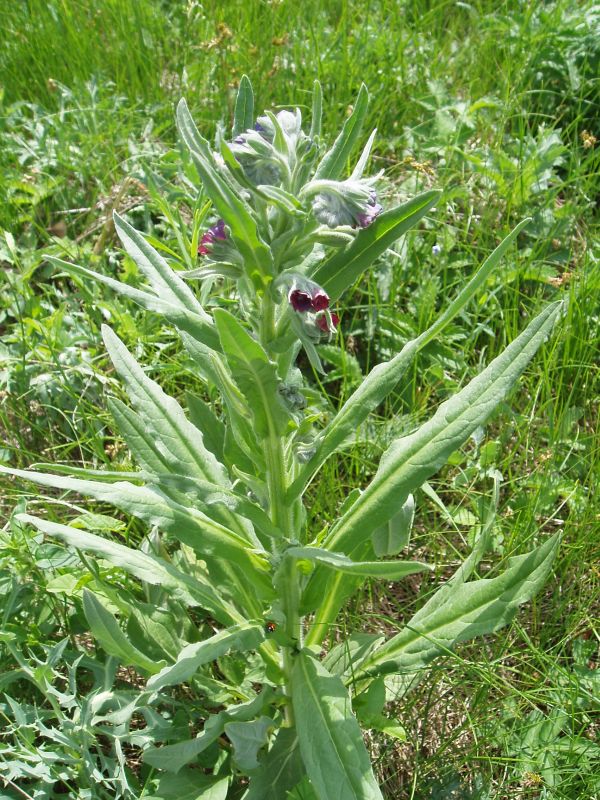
[{"x": 492, "y": 103}]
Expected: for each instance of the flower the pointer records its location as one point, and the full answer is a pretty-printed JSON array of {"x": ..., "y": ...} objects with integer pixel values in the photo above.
[
  {"x": 311, "y": 298},
  {"x": 323, "y": 322},
  {"x": 436, "y": 250},
  {"x": 216, "y": 232},
  {"x": 373, "y": 210},
  {"x": 300, "y": 301}
]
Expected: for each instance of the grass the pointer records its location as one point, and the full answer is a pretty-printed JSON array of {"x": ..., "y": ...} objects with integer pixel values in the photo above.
[{"x": 490, "y": 102}]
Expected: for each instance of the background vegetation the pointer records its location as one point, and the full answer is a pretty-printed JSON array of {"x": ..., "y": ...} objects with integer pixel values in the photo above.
[{"x": 496, "y": 103}]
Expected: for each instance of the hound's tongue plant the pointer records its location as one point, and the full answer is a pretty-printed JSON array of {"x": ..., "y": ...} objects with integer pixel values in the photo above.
[{"x": 226, "y": 491}]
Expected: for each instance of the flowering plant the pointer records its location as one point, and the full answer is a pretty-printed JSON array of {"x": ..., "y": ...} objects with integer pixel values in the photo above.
[{"x": 222, "y": 494}]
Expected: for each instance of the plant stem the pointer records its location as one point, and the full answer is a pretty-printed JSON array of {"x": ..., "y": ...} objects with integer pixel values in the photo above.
[{"x": 282, "y": 516}]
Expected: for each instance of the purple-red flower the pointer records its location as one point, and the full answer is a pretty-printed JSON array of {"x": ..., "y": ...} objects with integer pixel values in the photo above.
[
  {"x": 217, "y": 231},
  {"x": 301, "y": 301},
  {"x": 320, "y": 301},
  {"x": 315, "y": 300},
  {"x": 324, "y": 324}
]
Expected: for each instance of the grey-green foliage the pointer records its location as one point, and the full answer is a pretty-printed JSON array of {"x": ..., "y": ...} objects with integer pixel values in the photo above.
[{"x": 223, "y": 493}]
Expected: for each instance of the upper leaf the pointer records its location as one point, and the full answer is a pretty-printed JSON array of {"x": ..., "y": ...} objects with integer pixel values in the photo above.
[
  {"x": 410, "y": 460},
  {"x": 341, "y": 270},
  {"x": 254, "y": 374},
  {"x": 334, "y": 161}
]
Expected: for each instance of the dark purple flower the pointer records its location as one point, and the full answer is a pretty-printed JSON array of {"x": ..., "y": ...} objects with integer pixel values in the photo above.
[
  {"x": 320, "y": 301},
  {"x": 217, "y": 231},
  {"x": 323, "y": 323},
  {"x": 301, "y": 301}
]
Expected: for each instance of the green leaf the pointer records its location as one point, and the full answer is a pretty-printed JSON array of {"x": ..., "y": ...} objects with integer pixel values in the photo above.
[
  {"x": 192, "y": 785},
  {"x": 247, "y": 739},
  {"x": 411, "y": 460},
  {"x": 390, "y": 570},
  {"x": 280, "y": 769},
  {"x": 139, "y": 437},
  {"x": 468, "y": 610},
  {"x": 199, "y": 326},
  {"x": 352, "y": 650},
  {"x": 213, "y": 429},
  {"x": 164, "y": 281},
  {"x": 243, "y": 115},
  {"x": 333, "y": 163},
  {"x": 255, "y": 375},
  {"x": 209, "y": 494},
  {"x": 243, "y": 637},
  {"x": 383, "y": 378},
  {"x": 331, "y": 742},
  {"x": 394, "y": 535},
  {"x": 343, "y": 268},
  {"x": 105, "y": 629},
  {"x": 207, "y": 537},
  {"x": 173, "y": 757},
  {"x": 145, "y": 566},
  {"x": 179, "y": 442},
  {"x": 236, "y": 213}
]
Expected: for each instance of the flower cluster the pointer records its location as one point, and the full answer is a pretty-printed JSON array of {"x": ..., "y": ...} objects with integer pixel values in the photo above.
[{"x": 350, "y": 202}]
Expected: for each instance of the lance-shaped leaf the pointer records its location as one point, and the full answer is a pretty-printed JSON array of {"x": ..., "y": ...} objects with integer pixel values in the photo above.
[
  {"x": 341, "y": 270},
  {"x": 145, "y": 566},
  {"x": 280, "y": 770},
  {"x": 243, "y": 114},
  {"x": 334, "y": 161},
  {"x": 209, "y": 494},
  {"x": 173, "y": 757},
  {"x": 178, "y": 440},
  {"x": 411, "y": 460},
  {"x": 471, "y": 609},
  {"x": 106, "y": 630},
  {"x": 207, "y": 421},
  {"x": 254, "y": 374},
  {"x": 243, "y": 637},
  {"x": 190, "y": 526},
  {"x": 140, "y": 439},
  {"x": 163, "y": 280},
  {"x": 331, "y": 742},
  {"x": 389, "y": 570},
  {"x": 199, "y": 326},
  {"x": 236, "y": 213},
  {"x": 190, "y": 785},
  {"x": 383, "y": 378}
]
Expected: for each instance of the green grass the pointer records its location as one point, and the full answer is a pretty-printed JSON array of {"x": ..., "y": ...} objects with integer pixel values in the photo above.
[{"x": 485, "y": 100}]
